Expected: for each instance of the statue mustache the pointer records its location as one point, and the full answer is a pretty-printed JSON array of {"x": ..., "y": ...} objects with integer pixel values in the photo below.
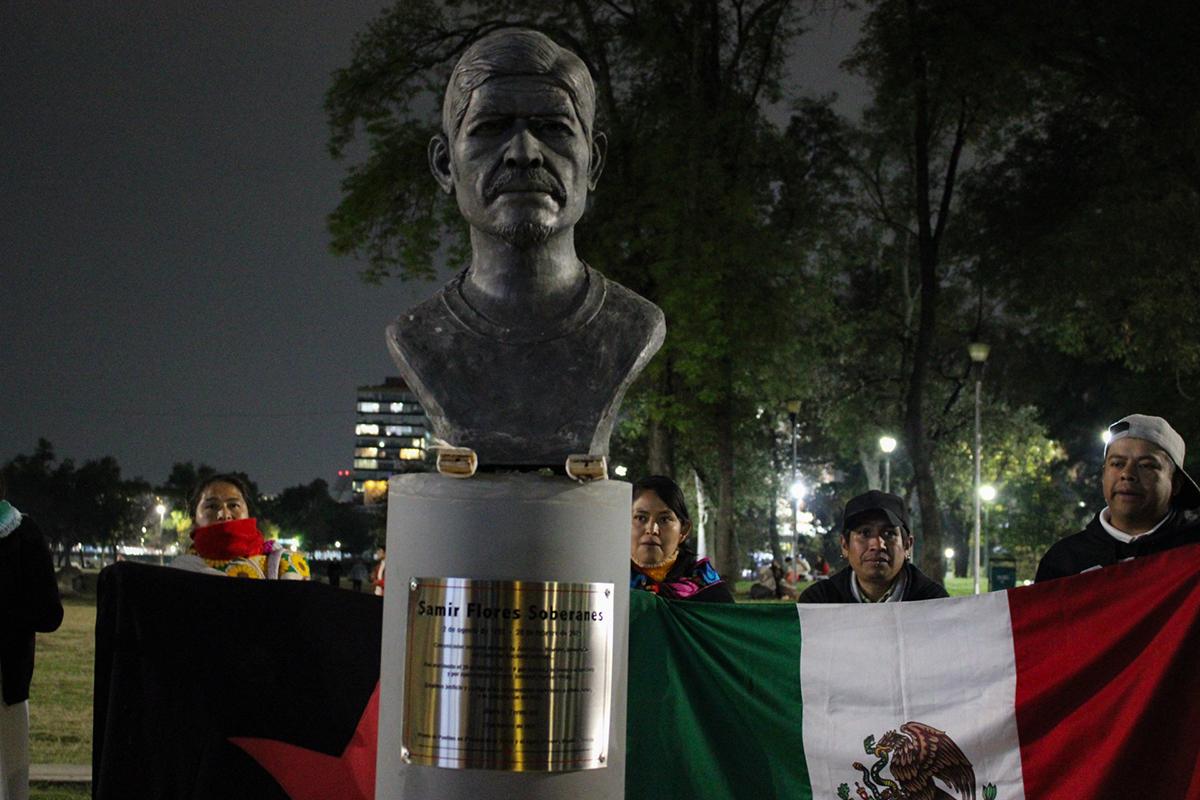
[{"x": 522, "y": 180}]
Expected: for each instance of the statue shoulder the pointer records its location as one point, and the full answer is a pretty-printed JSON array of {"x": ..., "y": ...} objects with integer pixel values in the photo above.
[
  {"x": 637, "y": 312},
  {"x": 422, "y": 319}
]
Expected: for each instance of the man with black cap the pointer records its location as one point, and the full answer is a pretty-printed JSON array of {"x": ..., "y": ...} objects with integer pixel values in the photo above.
[
  {"x": 1153, "y": 505},
  {"x": 878, "y": 544}
]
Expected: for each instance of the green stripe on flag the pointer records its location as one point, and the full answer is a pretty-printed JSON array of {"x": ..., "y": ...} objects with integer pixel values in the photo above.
[{"x": 714, "y": 702}]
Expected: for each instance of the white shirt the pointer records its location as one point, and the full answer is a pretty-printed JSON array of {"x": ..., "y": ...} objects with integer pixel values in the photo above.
[{"x": 1121, "y": 536}]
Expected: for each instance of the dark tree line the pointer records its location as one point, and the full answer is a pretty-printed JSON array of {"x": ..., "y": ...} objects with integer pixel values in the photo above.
[{"x": 92, "y": 504}]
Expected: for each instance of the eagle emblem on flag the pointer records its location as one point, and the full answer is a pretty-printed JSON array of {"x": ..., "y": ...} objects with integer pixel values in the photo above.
[{"x": 916, "y": 755}]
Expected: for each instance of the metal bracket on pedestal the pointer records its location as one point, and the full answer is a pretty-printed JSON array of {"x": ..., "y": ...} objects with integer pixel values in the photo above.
[
  {"x": 457, "y": 462},
  {"x": 584, "y": 468}
]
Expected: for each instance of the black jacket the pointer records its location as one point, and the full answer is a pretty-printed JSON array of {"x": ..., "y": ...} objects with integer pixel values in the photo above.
[
  {"x": 837, "y": 589},
  {"x": 1095, "y": 547},
  {"x": 28, "y": 603}
]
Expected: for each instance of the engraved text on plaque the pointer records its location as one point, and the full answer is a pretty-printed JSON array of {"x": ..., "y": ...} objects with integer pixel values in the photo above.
[{"x": 508, "y": 675}]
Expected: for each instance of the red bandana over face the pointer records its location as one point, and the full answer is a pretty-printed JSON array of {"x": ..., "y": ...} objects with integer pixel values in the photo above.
[{"x": 225, "y": 541}]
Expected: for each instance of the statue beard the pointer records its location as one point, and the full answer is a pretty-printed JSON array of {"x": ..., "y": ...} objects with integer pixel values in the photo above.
[{"x": 525, "y": 235}]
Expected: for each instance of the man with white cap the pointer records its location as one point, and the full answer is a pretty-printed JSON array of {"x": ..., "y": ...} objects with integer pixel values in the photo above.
[{"x": 1153, "y": 505}]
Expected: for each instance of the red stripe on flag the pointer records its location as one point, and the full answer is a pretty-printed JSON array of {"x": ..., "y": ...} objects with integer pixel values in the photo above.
[{"x": 1108, "y": 681}]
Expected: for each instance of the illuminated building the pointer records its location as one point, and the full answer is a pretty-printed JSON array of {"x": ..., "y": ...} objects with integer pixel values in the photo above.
[{"x": 391, "y": 435}]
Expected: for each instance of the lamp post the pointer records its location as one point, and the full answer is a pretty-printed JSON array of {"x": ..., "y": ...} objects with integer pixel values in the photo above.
[
  {"x": 979, "y": 354},
  {"x": 161, "y": 509},
  {"x": 988, "y": 494},
  {"x": 793, "y": 408},
  {"x": 887, "y": 444},
  {"x": 949, "y": 554}
]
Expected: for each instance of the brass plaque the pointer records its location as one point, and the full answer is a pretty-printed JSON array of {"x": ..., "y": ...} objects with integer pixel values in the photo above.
[{"x": 508, "y": 675}]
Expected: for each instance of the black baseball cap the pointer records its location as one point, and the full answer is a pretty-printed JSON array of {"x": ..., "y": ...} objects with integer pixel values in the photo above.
[{"x": 892, "y": 505}]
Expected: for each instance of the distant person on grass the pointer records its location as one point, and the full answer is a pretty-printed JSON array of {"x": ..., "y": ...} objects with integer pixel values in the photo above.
[
  {"x": 773, "y": 583},
  {"x": 358, "y": 574},
  {"x": 878, "y": 544},
  {"x": 226, "y": 539},
  {"x": 379, "y": 575},
  {"x": 29, "y": 603}
]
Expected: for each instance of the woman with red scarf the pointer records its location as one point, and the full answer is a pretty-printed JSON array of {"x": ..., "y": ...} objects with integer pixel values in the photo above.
[{"x": 226, "y": 539}]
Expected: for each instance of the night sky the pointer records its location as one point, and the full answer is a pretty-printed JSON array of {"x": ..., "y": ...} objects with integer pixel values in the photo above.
[{"x": 168, "y": 292}]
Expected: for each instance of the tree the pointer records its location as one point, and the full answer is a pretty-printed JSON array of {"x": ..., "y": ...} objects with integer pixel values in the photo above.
[
  {"x": 1095, "y": 189},
  {"x": 310, "y": 513},
  {"x": 89, "y": 504},
  {"x": 184, "y": 477},
  {"x": 941, "y": 86},
  {"x": 704, "y": 207}
]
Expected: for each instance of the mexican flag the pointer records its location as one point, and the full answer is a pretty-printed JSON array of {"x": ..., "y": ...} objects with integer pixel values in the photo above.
[{"x": 1082, "y": 688}]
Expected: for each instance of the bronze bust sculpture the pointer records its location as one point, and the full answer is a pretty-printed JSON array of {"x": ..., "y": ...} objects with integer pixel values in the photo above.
[{"x": 525, "y": 356}]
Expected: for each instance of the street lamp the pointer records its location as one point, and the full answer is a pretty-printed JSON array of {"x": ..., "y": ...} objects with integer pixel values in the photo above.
[
  {"x": 793, "y": 409},
  {"x": 949, "y": 562},
  {"x": 161, "y": 509},
  {"x": 887, "y": 444},
  {"x": 979, "y": 355},
  {"x": 988, "y": 494}
]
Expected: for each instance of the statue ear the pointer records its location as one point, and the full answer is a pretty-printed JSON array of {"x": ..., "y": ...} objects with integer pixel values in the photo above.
[
  {"x": 439, "y": 162},
  {"x": 596, "y": 165}
]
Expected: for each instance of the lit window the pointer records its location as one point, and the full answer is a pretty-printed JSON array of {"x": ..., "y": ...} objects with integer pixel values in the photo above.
[
  {"x": 411, "y": 453},
  {"x": 369, "y": 408},
  {"x": 357, "y": 486},
  {"x": 366, "y": 463},
  {"x": 366, "y": 430},
  {"x": 374, "y": 492},
  {"x": 397, "y": 408},
  {"x": 366, "y": 452},
  {"x": 418, "y": 442},
  {"x": 397, "y": 430}
]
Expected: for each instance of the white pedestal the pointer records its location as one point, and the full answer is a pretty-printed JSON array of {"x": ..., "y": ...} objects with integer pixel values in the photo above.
[{"x": 500, "y": 527}]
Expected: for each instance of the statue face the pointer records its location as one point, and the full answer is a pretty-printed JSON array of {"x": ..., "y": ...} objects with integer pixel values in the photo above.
[{"x": 521, "y": 163}]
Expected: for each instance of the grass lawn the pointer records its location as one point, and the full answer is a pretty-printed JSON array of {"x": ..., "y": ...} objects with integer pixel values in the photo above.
[
  {"x": 60, "y": 791},
  {"x": 60, "y": 697}
]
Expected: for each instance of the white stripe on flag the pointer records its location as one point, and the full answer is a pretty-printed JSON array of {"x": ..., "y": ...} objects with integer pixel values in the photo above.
[{"x": 869, "y": 669}]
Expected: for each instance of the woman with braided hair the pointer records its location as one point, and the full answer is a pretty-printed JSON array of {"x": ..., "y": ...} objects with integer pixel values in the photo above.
[{"x": 663, "y": 558}]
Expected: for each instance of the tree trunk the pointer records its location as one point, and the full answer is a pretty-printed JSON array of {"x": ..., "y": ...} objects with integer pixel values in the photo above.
[
  {"x": 921, "y": 449},
  {"x": 659, "y": 459},
  {"x": 660, "y": 443},
  {"x": 776, "y": 547},
  {"x": 727, "y": 555}
]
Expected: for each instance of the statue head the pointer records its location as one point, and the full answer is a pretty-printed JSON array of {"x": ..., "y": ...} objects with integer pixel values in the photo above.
[
  {"x": 517, "y": 147},
  {"x": 516, "y": 52}
]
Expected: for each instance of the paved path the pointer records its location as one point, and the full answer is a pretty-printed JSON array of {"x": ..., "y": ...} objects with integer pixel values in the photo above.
[{"x": 61, "y": 773}]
